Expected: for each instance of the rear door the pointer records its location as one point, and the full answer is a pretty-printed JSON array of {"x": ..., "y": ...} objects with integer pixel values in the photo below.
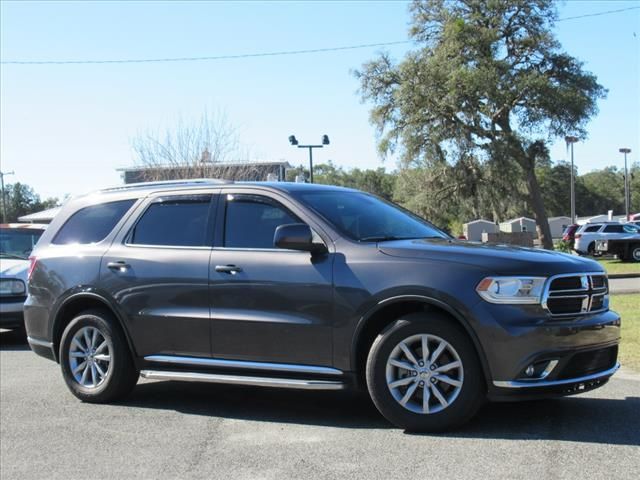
[
  {"x": 267, "y": 304},
  {"x": 157, "y": 270}
]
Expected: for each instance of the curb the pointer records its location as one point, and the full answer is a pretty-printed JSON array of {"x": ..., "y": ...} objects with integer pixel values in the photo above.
[{"x": 624, "y": 275}]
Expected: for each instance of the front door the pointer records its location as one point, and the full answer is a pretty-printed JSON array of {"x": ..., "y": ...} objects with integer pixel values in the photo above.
[{"x": 267, "y": 304}]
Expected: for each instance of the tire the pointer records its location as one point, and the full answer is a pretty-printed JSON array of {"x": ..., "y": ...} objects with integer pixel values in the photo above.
[
  {"x": 634, "y": 254},
  {"x": 463, "y": 401},
  {"x": 119, "y": 372}
]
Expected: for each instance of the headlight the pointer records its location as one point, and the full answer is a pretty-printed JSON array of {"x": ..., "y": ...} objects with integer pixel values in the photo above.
[
  {"x": 10, "y": 286},
  {"x": 514, "y": 290}
]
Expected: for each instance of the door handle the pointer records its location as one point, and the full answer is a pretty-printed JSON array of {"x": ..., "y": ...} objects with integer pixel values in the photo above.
[
  {"x": 120, "y": 266},
  {"x": 232, "y": 269}
]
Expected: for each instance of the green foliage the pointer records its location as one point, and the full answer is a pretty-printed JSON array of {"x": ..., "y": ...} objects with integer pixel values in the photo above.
[
  {"x": 488, "y": 84},
  {"x": 564, "y": 246},
  {"x": 22, "y": 200}
]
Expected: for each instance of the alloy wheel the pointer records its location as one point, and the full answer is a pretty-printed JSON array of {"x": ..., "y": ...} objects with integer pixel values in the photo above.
[
  {"x": 424, "y": 374},
  {"x": 90, "y": 357}
]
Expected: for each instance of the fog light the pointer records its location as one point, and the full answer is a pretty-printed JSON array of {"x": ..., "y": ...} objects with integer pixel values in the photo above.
[{"x": 530, "y": 371}]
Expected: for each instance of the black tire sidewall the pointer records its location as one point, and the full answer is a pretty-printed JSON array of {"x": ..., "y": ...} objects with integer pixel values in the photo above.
[
  {"x": 473, "y": 390},
  {"x": 121, "y": 369}
]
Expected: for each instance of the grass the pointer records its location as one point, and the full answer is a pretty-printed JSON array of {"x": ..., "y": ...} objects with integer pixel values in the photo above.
[
  {"x": 628, "y": 306},
  {"x": 617, "y": 266}
]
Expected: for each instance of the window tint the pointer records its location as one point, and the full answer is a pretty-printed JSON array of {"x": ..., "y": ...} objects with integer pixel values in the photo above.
[
  {"x": 614, "y": 229},
  {"x": 92, "y": 224},
  {"x": 174, "y": 221},
  {"x": 592, "y": 229},
  {"x": 251, "y": 221},
  {"x": 366, "y": 218},
  {"x": 631, "y": 228}
]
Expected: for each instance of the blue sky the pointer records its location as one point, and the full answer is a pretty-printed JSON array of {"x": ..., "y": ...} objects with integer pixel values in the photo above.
[{"x": 66, "y": 128}]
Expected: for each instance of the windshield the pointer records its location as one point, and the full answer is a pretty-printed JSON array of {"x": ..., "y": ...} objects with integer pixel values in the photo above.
[
  {"x": 18, "y": 242},
  {"x": 366, "y": 218}
]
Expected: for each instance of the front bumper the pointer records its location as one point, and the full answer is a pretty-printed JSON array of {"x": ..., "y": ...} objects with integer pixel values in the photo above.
[
  {"x": 570, "y": 355},
  {"x": 11, "y": 314}
]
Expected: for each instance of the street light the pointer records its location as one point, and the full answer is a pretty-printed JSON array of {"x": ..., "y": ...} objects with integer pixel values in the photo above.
[
  {"x": 4, "y": 196},
  {"x": 570, "y": 140},
  {"x": 627, "y": 192},
  {"x": 294, "y": 142}
]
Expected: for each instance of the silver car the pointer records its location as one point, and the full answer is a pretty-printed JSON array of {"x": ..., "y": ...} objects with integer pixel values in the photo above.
[
  {"x": 16, "y": 242},
  {"x": 589, "y": 233}
]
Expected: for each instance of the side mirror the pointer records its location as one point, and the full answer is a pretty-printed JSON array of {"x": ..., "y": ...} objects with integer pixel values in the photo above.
[{"x": 297, "y": 236}]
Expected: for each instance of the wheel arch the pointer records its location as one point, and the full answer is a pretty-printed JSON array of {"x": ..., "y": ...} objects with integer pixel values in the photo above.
[
  {"x": 390, "y": 309},
  {"x": 76, "y": 303}
]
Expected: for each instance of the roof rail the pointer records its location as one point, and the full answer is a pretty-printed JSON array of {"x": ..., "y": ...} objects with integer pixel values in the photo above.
[{"x": 167, "y": 183}]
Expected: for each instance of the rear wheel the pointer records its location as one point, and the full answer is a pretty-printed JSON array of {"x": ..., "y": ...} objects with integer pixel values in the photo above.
[
  {"x": 95, "y": 359},
  {"x": 635, "y": 253},
  {"x": 423, "y": 374}
]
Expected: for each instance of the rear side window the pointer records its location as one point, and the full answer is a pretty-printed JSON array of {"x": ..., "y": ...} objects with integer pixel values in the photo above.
[
  {"x": 174, "y": 222},
  {"x": 592, "y": 229},
  {"x": 614, "y": 229},
  {"x": 92, "y": 224}
]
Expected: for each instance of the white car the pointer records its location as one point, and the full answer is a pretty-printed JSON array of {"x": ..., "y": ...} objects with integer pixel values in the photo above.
[
  {"x": 587, "y": 234},
  {"x": 16, "y": 242}
]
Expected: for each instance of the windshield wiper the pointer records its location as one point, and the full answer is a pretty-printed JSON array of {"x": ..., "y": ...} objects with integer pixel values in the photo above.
[
  {"x": 387, "y": 238},
  {"x": 11, "y": 255}
]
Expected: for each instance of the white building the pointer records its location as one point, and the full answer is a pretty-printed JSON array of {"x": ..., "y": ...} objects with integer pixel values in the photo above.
[
  {"x": 474, "y": 230},
  {"x": 521, "y": 224},
  {"x": 600, "y": 218},
  {"x": 557, "y": 225}
]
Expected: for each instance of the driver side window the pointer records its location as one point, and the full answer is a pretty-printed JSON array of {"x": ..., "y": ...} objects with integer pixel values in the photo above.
[{"x": 250, "y": 221}]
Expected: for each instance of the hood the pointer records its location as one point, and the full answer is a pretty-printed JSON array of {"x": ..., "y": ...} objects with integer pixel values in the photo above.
[
  {"x": 14, "y": 268},
  {"x": 497, "y": 259}
]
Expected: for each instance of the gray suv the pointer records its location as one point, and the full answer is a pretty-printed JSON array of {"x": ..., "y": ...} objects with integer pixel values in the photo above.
[{"x": 310, "y": 287}]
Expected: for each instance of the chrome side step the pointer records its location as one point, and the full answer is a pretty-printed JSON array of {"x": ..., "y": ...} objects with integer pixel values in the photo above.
[
  {"x": 242, "y": 364},
  {"x": 244, "y": 380}
]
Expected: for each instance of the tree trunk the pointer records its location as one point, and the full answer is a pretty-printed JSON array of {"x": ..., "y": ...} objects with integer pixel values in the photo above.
[{"x": 537, "y": 204}]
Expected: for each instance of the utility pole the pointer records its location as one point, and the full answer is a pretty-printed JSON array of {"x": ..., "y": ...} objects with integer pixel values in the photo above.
[
  {"x": 570, "y": 140},
  {"x": 627, "y": 200},
  {"x": 4, "y": 194},
  {"x": 294, "y": 142}
]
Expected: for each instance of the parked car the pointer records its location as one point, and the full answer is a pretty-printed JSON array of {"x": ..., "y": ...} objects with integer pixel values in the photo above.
[
  {"x": 315, "y": 287},
  {"x": 586, "y": 236},
  {"x": 569, "y": 233},
  {"x": 16, "y": 243}
]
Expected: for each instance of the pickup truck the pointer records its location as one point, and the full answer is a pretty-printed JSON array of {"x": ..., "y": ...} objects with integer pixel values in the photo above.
[{"x": 627, "y": 249}]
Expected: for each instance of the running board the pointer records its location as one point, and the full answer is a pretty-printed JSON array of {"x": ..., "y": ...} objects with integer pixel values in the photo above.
[{"x": 243, "y": 380}]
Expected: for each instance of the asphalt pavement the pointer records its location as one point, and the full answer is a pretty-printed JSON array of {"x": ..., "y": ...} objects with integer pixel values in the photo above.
[
  {"x": 624, "y": 285},
  {"x": 188, "y": 430}
]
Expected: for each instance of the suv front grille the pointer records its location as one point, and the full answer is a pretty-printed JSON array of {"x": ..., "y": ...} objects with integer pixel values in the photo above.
[{"x": 579, "y": 294}]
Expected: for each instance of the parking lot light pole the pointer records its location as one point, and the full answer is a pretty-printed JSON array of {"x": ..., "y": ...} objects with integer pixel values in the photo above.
[
  {"x": 325, "y": 141},
  {"x": 4, "y": 195},
  {"x": 570, "y": 140},
  {"x": 627, "y": 199}
]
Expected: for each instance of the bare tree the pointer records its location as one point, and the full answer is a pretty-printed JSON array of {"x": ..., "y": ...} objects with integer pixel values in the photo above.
[{"x": 209, "y": 147}]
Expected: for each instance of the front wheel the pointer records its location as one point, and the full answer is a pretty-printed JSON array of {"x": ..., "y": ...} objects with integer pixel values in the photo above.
[
  {"x": 423, "y": 374},
  {"x": 95, "y": 359}
]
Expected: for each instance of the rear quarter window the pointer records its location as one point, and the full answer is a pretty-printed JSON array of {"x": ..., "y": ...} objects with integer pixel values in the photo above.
[{"x": 92, "y": 224}]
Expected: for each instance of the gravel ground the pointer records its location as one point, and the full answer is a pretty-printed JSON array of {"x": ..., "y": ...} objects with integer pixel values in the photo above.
[{"x": 180, "y": 430}]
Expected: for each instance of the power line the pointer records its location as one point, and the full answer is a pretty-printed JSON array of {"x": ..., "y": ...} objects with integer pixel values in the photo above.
[
  {"x": 256, "y": 55},
  {"x": 598, "y": 14},
  {"x": 197, "y": 59}
]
